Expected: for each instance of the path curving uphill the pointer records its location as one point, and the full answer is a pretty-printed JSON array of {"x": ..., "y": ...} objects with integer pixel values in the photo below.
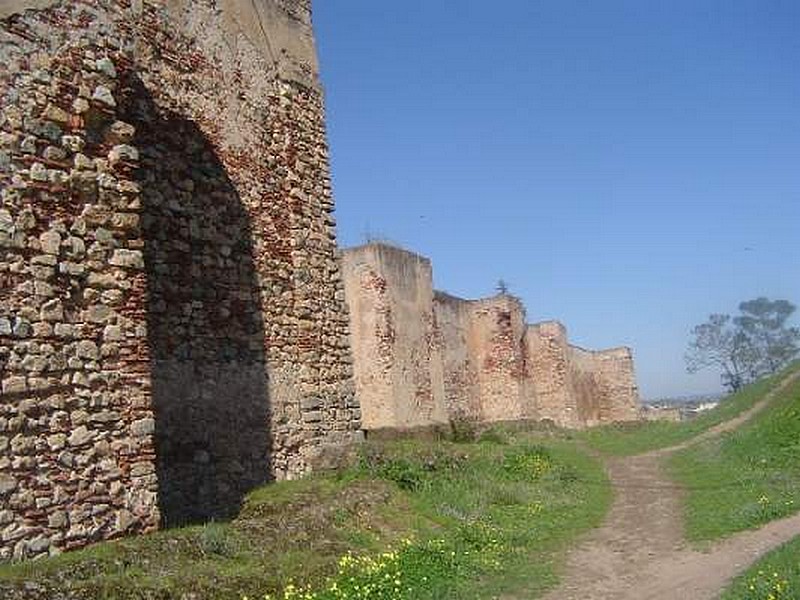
[{"x": 640, "y": 552}]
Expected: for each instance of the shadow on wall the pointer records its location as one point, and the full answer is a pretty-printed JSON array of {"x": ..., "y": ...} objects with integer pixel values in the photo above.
[{"x": 204, "y": 317}]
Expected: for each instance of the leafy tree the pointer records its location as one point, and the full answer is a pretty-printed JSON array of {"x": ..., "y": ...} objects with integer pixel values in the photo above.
[
  {"x": 764, "y": 322},
  {"x": 755, "y": 343}
]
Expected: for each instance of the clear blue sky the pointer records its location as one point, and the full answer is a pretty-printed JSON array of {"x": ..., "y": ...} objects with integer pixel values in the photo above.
[{"x": 627, "y": 166}]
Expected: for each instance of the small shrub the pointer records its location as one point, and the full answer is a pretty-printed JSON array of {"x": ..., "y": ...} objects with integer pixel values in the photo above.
[
  {"x": 406, "y": 475},
  {"x": 492, "y": 436},
  {"x": 764, "y": 510},
  {"x": 463, "y": 431},
  {"x": 527, "y": 464},
  {"x": 566, "y": 474},
  {"x": 409, "y": 468},
  {"x": 216, "y": 540}
]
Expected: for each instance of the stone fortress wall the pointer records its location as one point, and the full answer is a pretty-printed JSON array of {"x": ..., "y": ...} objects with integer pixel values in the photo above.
[
  {"x": 423, "y": 357},
  {"x": 172, "y": 322}
]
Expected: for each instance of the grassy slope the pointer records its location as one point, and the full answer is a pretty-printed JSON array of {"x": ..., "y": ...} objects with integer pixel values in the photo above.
[
  {"x": 747, "y": 477},
  {"x": 775, "y": 577},
  {"x": 461, "y": 519},
  {"x": 635, "y": 438}
]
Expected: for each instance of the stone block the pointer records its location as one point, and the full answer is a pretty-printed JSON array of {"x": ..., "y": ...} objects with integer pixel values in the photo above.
[
  {"x": 143, "y": 427},
  {"x": 80, "y": 436},
  {"x": 7, "y": 484},
  {"x": 124, "y": 520},
  {"x": 127, "y": 258},
  {"x": 312, "y": 416},
  {"x": 14, "y": 384},
  {"x": 311, "y": 404},
  {"x": 98, "y": 313},
  {"x": 52, "y": 310},
  {"x": 87, "y": 349},
  {"x": 120, "y": 132},
  {"x": 104, "y": 96},
  {"x": 113, "y": 333},
  {"x": 56, "y": 441},
  {"x": 50, "y": 242},
  {"x": 58, "y": 520},
  {"x": 123, "y": 153},
  {"x": 106, "y": 66}
]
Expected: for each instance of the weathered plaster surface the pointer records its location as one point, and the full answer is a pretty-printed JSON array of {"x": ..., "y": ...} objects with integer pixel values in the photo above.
[
  {"x": 496, "y": 344},
  {"x": 11, "y": 7},
  {"x": 550, "y": 373},
  {"x": 279, "y": 31},
  {"x": 399, "y": 371},
  {"x": 459, "y": 368}
]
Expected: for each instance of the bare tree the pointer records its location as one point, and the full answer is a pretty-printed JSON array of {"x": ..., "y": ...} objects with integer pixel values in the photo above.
[{"x": 717, "y": 344}]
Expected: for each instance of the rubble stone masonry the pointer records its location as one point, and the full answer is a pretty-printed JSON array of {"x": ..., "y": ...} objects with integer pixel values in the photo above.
[
  {"x": 424, "y": 358},
  {"x": 172, "y": 322}
]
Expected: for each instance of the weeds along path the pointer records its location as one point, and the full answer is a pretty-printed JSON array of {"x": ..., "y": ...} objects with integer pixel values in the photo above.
[{"x": 640, "y": 551}]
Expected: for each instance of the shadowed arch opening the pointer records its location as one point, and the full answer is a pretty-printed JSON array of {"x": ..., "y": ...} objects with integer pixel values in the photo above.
[{"x": 204, "y": 319}]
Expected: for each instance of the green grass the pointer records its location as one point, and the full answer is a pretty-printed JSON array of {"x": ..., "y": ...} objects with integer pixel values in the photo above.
[
  {"x": 626, "y": 439},
  {"x": 507, "y": 519},
  {"x": 744, "y": 478},
  {"x": 775, "y": 577},
  {"x": 415, "y": 520}
]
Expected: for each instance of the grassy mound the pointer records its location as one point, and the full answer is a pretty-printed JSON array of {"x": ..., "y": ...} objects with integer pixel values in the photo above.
[
  {"x": 775, "y": 577},
  {"x": 626, "y": 439},
  {"x": 745, "y": 478},
  {"x": 414, "y": 520}
]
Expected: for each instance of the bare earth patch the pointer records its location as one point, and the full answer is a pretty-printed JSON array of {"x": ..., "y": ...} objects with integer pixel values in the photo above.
[{"x": 640, "y": 551}]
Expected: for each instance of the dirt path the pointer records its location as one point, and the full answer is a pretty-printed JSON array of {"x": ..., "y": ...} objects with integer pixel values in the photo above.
[{"x": 640, "y": 552}]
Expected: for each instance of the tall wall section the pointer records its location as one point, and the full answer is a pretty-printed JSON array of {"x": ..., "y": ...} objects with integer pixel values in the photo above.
[
  {"x": 453, "y": 317},
  {"x": 399, "y": 372},
  {"x": 172, "y": 321},
  {"x": 423, "y": 357},
  {"x": 552, "y": 372},
  {"x": 617, "y": 385},
  {"x": 585, "y": 384},
  {"x": 485, "y": 361},
  {"x": 497, "y": 327}
]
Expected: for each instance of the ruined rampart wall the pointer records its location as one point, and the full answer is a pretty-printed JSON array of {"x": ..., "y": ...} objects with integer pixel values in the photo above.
[
  {"x": 172, "y": 321},
  {"x": 618, "y": 391},
  {"x": 398, "y": 376},
  {"x": 476, "y": 359},
  {"x": 496, "y": 344},
  {"x": 453, "y": 317},
  {"x": 586, "y": 387},
  {"x": 550, "y": 371}
]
